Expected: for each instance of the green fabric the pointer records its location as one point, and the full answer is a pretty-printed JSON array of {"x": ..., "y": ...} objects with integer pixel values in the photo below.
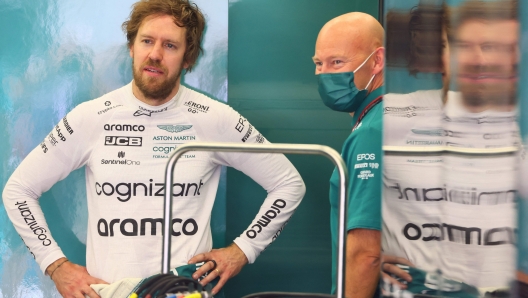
[
  {"x": 428, "y": 284},
  {"x": 362, "y": 154}
]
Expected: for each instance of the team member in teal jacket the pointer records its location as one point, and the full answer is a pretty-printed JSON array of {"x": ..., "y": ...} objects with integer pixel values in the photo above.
[{"x": 349, "y": 60}]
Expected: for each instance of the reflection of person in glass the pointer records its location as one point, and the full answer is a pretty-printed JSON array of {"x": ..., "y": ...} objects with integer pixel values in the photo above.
[
  {"x": 480, "y": 117},
  {"x": 487, "y": 56},
  {"x": 413, "y": 139},
  {"x": 457, "y": 216}
]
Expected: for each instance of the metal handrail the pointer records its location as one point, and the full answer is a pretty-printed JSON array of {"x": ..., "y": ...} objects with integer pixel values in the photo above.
[{"x": 261, "y": 148}]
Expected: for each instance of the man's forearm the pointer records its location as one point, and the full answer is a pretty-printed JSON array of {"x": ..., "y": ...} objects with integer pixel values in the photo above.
[
  {"x": 285, "y": 191},
  {"x": 362, "y": 277},
  {"x": 27, "y": 217},
  {"x": 362, "y": 263}
]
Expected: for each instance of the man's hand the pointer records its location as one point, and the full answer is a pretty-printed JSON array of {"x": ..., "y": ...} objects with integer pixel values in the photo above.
[
  {"x": 229, "y": 262},
  {"x": 389, "y": 267},
  {"x": 72, "y": 280}
]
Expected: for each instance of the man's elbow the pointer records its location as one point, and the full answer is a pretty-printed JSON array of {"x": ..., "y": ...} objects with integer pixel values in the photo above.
[
  {"x": 296, "y": 186},
  {"x": 370, "y": 260},
  {"x": 301, "y": 188},
  {"x": 364, "y": 248}
]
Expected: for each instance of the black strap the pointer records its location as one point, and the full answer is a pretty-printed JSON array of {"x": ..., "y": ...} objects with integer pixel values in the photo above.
[{"x": 366, "y": 110}]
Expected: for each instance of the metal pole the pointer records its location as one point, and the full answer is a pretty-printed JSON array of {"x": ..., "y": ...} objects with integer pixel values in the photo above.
[{"x": 261, "y": 148}]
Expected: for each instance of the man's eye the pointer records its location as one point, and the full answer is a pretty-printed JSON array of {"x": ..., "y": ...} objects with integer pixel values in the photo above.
[
  {"x": 318, "y": 63},
  {"x": 463, "y": 46},
  {"x": 148, "y": 41},
  {"x": 487, "y": 47},
  {"x": 170, "y": 46},
  {"x": 337, "y": 62}
]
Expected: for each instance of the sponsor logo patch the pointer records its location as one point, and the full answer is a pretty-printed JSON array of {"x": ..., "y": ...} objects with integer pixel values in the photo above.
[
  {"x": 126, "y": 162},
  {"x": 408, "y": 112},
  {"x": 248, "y": 133},
  {"x": 265, "y": 219},
  {"x": 146, "y": 112},
  {"x": 422, "y": 143},
  {"x": 196, "y": 107},
  {"x": 174, "y": 128},
  {"x": 52, "y": 139},
  {"x": 469, "y": 196},
  {"x": 59, "y": 134},
  {"x": 123, "y": 127},
  {"x": 429, "y": 132},
  {"x": 481, "y": 120},
  {"x": 108, "y": 109},
  {"x": 240, "y": 124},
  {"x": 29, "y": 219},
  {"x": 44, "y": 147},
  {"x": 145, "y": 227},
  {"x": 123, "y": 141},
  {"x": 260, "y": 138},
  {"x": 67, "y": 125},
  {"x": 123, "y": 191},
  {"x": 458, "y": 234}
]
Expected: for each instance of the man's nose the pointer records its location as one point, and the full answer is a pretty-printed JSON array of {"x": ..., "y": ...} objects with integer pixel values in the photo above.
[
  {"x": 156, "y": 52},
  {"x": 479, "y": 57}
]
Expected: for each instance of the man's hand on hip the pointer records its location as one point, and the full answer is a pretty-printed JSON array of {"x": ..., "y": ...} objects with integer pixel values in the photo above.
[
  {"x": 389, "y": 267},
  {"x": 229, "y": 261},
  {"x": 72, "y": 280}
]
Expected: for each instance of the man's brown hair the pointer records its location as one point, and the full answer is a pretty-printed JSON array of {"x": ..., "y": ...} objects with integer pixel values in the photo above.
[
  {"x": 185, "y": 14},
  {"x": 485, "y": 10},
  {"x": 414, "y": 39}
]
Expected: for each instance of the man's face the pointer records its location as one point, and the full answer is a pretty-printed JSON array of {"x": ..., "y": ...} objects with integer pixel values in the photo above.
[
  {"x": 337, "y": 51},
  {"x": 486, "y": 53},
  {"x": 157, "y": 57}
]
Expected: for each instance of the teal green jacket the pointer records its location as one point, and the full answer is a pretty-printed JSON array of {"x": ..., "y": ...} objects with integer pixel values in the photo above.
[{"x": 362, "y": 153}]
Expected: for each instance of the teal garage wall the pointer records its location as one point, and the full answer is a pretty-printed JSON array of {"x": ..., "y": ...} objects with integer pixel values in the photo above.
[
  {"x": 55, "y": 54},
  {"x": 272, "y": 83}
]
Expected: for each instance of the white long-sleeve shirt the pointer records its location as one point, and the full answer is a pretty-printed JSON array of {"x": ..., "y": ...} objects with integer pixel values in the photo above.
[{"x": 125, "y": 145}]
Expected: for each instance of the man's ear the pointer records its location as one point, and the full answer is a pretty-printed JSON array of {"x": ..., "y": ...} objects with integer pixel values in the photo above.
[
  {"x": 379, "y": 61},
  {"x": 131, "y": 50}
]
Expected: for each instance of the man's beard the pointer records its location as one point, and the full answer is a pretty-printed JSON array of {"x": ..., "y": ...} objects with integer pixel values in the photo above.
[
  {"x": 152, "y": 87},
  {"x": 493, "y": 94}
]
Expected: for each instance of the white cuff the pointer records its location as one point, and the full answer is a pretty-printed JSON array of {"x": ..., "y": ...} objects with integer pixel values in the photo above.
[{"x": 247, "y": 249}]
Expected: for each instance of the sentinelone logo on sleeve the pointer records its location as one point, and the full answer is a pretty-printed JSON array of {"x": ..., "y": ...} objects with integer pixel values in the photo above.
[{"x": 123, "y": 141}]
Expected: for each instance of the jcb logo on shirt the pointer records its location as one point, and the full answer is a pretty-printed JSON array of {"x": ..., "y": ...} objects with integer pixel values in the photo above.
[
  {"x": 123, "y": 141},
  {"x": 366, "y": 156}
]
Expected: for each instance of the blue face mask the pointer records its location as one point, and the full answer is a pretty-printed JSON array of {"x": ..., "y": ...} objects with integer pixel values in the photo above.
[{"x": 338, "y": 91}]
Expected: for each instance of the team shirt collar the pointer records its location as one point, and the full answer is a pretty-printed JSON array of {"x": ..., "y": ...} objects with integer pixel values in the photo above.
[
  {"x": 148, "y": 110},
  {"x": 370, "y": 98}
]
